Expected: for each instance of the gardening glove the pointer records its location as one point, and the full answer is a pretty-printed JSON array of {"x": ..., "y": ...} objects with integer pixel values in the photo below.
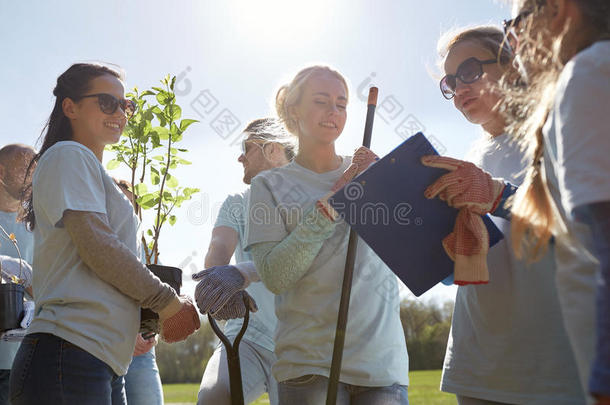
[
  {"x": 236, "y": 307},
  {"x": 216, "y": 287},
  {"x": 474, "y": 192},
  {"x": 10, "y": 269},
  {"x": 602, "y": 400},
  {"x": 178, "y": 320},
  {"x": 363, "y": 158},
  {"x": 28, "y": 314}
]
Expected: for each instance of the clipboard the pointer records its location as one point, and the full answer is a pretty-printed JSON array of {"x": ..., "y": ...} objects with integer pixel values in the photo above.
[{"x": 386, "y": 206}]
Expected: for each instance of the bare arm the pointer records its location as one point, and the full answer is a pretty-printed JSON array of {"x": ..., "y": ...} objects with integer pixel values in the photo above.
[
  {"x": 222, "y": 245},
  {"x": 101, "y": 250}
]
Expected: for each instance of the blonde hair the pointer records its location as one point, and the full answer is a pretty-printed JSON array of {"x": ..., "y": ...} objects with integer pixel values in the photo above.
[
  {"x": 290, "y": 94},
  {"x": 527, "y": 106}
]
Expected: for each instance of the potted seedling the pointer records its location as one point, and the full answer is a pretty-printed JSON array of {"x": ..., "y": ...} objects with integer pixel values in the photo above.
[
  {"x": 148, "y": 147},
  {"x": 11, "y": 291}
]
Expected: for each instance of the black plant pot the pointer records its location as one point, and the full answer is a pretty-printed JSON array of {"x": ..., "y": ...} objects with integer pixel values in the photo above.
[
  {"x": 149, "y": 320},
  {"x": 11, "y": 306}
]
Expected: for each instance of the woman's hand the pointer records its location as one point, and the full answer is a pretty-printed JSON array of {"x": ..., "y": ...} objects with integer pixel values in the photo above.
[
  {"x": 362, "y": 159},
  {"x": 178, "y": 320},
  {"x": 144, "y": 345},
  {"x": 465, "y": 186}
]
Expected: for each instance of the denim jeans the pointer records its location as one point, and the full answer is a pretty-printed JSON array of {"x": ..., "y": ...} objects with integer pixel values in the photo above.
[
  {"x": 51, "y": 370},
  {"x": 142, "y": 381},
  {"x": 4, "y": 376},
  {"x": 311, "y": 390}
]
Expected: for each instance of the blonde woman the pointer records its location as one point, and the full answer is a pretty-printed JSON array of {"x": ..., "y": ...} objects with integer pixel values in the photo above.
[
  {"x": 299, "y": 248},
  {"x": 561, "y": 114}
]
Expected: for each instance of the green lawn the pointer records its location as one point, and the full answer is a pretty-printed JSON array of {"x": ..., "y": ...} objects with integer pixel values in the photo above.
[{"x": 423, "y": 390}]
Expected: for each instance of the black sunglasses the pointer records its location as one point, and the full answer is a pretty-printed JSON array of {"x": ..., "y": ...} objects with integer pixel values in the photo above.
[
  {"x": 468, "y": 72},
  {"x": 109, "y": 103}
]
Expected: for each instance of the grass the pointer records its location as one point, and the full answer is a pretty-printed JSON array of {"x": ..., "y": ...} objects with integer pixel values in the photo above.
[{"x": 423, "y": 390}]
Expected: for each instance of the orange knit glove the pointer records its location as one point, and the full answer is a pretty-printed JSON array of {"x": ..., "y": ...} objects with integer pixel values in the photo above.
[
  {"x": 474, "y": 192},
  {"x": 178, "y": 320},
  {"x": 362, "y": 159}
]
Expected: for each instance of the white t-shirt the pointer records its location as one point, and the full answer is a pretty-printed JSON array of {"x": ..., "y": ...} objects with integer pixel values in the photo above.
[
  {"x": 25, "y": 241},
  {"x": 375, "y": 352},
  {"x": 577, "y": 171},
  {"x": 262, "y": 323},
  {"x": 71, "y": 301},
  {"x": 507, "y": 342}
]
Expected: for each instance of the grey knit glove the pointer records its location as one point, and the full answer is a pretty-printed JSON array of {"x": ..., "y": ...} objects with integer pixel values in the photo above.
[
  {"x": 217, "y": 285},
  {"x": 236, "y": 307}
]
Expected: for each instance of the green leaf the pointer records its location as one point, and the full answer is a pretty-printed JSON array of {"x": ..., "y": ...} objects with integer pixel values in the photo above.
[
  {"x": 163, "y": 97},
  {"x": 147, "y": 93},
  {"x": 183, "y": 161},
  {"x": 149, "y": 232},
  {"x": 173, "y": 111},
  {"x": 184, "y": 124},
  {"x": 159, "y": 158},
  {"x": 140, "y": 189},
  {"x": 162, "y": 132},
  {"x": 155, "y": 178},
  {"x": 172, "y": 220},
  {"x": 171, "y": 181},
  {"x": 147, "y": 201},
  {"x": 113, "y": 164},
  {"x": 173, "y": 83}
]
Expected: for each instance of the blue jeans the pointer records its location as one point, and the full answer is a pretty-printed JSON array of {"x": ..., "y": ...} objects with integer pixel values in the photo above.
[
  {"x": 51, "y": 370},
  {"x": 142, "y": 381},
  {"x": 4, "y": 376},
  {"x": 311, "y": 390}
]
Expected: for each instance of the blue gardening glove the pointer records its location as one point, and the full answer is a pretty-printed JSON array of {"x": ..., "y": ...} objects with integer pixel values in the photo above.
[
  {"x": 217, "y": 285},
  {"x": 236, "y": 307}
]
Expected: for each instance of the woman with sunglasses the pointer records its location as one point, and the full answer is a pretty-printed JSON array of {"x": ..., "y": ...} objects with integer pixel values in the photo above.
[
  {"x": 88, "y": 282},
  {"x": 299, "y": 248},
  {"x": 507, "y": 343},
  {"x": 561, "y": 115}
]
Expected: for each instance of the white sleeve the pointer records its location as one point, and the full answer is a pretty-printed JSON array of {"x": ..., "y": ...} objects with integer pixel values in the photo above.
[
  {"x": 582, "y": 111},
  {"x": 69, "y": 178},
  {"x": 248, "y": 271}
]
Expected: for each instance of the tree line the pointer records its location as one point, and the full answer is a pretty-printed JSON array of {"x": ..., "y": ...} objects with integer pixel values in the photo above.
[{"x": 426, "y": 326}]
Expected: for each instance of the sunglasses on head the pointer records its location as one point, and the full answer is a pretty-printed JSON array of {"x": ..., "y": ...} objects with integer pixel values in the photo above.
[
  {"x": 511, "y": 28},
  {"x": 468, "y": 72},
  {"x": 109, "y": 104}
]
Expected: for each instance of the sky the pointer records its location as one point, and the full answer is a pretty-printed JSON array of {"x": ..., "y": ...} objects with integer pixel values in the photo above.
[{"x": 230, "y": 58}]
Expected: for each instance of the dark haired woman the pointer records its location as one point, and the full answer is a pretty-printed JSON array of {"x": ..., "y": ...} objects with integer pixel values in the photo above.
[
  {"x": 507, "y": 343},
  {"x": 89, "y": 282}
]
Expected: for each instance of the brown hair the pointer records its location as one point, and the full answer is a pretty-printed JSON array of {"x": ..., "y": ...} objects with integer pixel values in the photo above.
[
  {"x": 488, "y": 37},
  {"x": 72, "y": 84}
]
